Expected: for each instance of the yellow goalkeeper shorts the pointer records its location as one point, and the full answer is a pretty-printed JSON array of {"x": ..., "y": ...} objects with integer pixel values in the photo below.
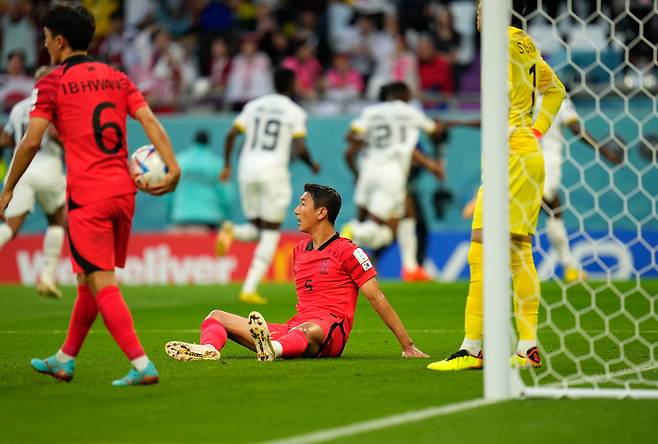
[{"x": 526, "y": 185}]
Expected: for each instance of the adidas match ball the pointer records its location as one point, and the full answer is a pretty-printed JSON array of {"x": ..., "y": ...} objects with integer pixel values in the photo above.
[{"x": 147, "y": 166}]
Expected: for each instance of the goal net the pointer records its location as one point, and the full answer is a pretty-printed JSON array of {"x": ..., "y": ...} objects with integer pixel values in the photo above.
[{"x": 596, "y": 243}]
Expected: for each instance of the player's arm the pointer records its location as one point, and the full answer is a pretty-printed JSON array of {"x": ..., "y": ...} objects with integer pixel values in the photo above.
[
  {"x": 354, "y": 144},
  {"x": 160, "y": 140},
  {"x": 25, "y": 152},
  {"x": 469, "y": 123},
  {"x": 387, "y": 313},
  {"x": 553, "y": 92},
  {"x": 432, "y": 165},
  {"x": 229, "y": 144},
  {"x": 301, "y": 151},
  {"x": 578, "y": 130}
]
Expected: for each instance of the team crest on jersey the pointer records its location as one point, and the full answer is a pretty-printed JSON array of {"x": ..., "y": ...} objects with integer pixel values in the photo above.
[
  {"x": 360, "y": 256},
  {"x": 367, "y": 265},
  {"x": 324, "y": 266}
]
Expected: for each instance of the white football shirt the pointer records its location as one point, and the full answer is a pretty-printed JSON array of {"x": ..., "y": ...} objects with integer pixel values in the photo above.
[
  {"x": 49, "y": 155},
  {"x": 269, "y": 123},
  {"x": 391, "y": 131}
]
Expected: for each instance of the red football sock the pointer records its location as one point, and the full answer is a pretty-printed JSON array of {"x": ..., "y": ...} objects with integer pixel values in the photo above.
[
  {"x": 119, "y": 321},
  {"x": 293, "y": 344},
  {"x": 213, "y": 333},
  {"x": 82, "y": 318}
]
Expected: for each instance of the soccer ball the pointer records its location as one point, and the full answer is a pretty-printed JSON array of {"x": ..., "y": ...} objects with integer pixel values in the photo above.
[{"x": 146, "y": 166}]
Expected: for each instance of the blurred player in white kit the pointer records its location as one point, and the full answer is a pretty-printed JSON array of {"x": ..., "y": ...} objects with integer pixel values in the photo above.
[{"x": 44, "y": 183}]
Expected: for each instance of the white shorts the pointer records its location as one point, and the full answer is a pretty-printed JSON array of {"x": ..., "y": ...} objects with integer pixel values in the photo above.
[
  {"x": 46, "y": 186},
  {"x": 553, "y": 174},
  {"x": 382, "y": 192},
  {"x": 267, "y": 200}
]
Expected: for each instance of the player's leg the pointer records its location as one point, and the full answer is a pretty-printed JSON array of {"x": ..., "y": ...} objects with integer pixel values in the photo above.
[
  {"x": 555, "y": 229},
  {"x": 469, "y": 355},
  {"x": 408, "y": 243},
  {"x": 11, "y": 228},
  {"x": 85, "y": 310},
  {"x": 248, "y": 232},
  {"x": 525, "y": 282},
  {"x": 557, "y": 235},
  {"x": 260, "y": 263},
  {"x": 21, "y": 204},
  {"x": 305, "y": 339},
  {"x": 384, "y": 204},
  {"x": 52, "y": 248},
  {"x": 50, "y": 190},
  {"x": 274, "y": 199},
  {"x": 62, "y": 364},
  {"x": 526, "y": 180},
  {"x": 216, "y": 328},
  {"x": 362, "y": 195}
]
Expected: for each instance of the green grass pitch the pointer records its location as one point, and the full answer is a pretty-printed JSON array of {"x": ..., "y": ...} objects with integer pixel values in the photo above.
[{"x": 241, "y": 400}]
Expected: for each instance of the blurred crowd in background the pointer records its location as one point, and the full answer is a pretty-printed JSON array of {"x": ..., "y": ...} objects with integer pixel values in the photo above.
[{"x": 215, "y": 55}]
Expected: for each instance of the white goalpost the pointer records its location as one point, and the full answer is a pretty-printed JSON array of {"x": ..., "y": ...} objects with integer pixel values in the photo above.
[
  {"x": 497, "y": 296},
  {"x": 598, "y": 335}
]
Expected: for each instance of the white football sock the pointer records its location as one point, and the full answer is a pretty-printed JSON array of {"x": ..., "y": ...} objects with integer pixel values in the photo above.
[
  {"x": 52, "y": 247},
  {"x": 63, "y": 357},
  {"x": 408, "y": 243},
  {"x": 140, "y": 363},
  {"x": 383, "y": 236},
  {"x": 278, "y": 349},
  {"x": 360, "y": 233},
  {"x": 262, "y": 259},
  {"x": 245, "y": 232},
  {"x": 473, "y": 346},
  {"x": 557, "y": 235},
  {"x": 6, "y": 234},
  {"x": 524, "y": 346},
  {"x": 372, "y": 235}
]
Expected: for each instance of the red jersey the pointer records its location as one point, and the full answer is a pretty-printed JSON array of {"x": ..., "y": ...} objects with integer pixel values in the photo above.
[
  {"x": 88, "y": 101},
  {"x": 328, "y": 279}
]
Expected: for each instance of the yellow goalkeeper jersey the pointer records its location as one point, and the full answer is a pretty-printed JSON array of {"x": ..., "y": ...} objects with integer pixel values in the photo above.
[{"x": 529, "y": 75}]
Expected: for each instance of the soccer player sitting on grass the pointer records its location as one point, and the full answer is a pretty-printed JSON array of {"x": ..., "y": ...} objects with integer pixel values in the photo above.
[
  {"x": 88, "y": 103},
  {"x": 328, "y": 272}
]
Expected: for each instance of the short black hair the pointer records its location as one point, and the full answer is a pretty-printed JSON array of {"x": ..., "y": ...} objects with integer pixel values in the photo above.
[
  {"x": 74, "y": 23},
  {"x": 324, "y": 196},
  {"x": 398, "y": 91},
  {"x": 383, "y": 93},
  {"x": 284, "y": 80}
]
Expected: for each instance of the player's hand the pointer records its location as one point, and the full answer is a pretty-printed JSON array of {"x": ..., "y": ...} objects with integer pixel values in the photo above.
[
  {"x": 5, "y": 197},
  {"x": 612, "y": 155},
  {"x": 225, "y": 175},
  {"x": 315, "y": 167},
  {"x": 412, "y": 351},
  {"x": 167, "y": 185}
]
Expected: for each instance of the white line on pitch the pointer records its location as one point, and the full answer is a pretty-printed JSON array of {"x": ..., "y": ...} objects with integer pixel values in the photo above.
[{"x": 382, "y": 423}]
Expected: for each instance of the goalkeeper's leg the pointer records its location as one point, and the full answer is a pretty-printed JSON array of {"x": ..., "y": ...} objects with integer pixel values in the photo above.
[
  {"x": 526, "y": 302},
  {"x": 469, "y": 355}
]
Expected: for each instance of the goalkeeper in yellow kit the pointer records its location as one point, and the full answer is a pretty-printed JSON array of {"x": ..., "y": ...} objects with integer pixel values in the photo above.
[{"x": 529, "y": 75}]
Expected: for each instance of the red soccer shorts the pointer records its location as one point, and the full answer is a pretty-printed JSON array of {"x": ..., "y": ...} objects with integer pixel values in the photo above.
[
  {"x": 335, "y": 336},
  {"x": 99, "y": 233}
]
